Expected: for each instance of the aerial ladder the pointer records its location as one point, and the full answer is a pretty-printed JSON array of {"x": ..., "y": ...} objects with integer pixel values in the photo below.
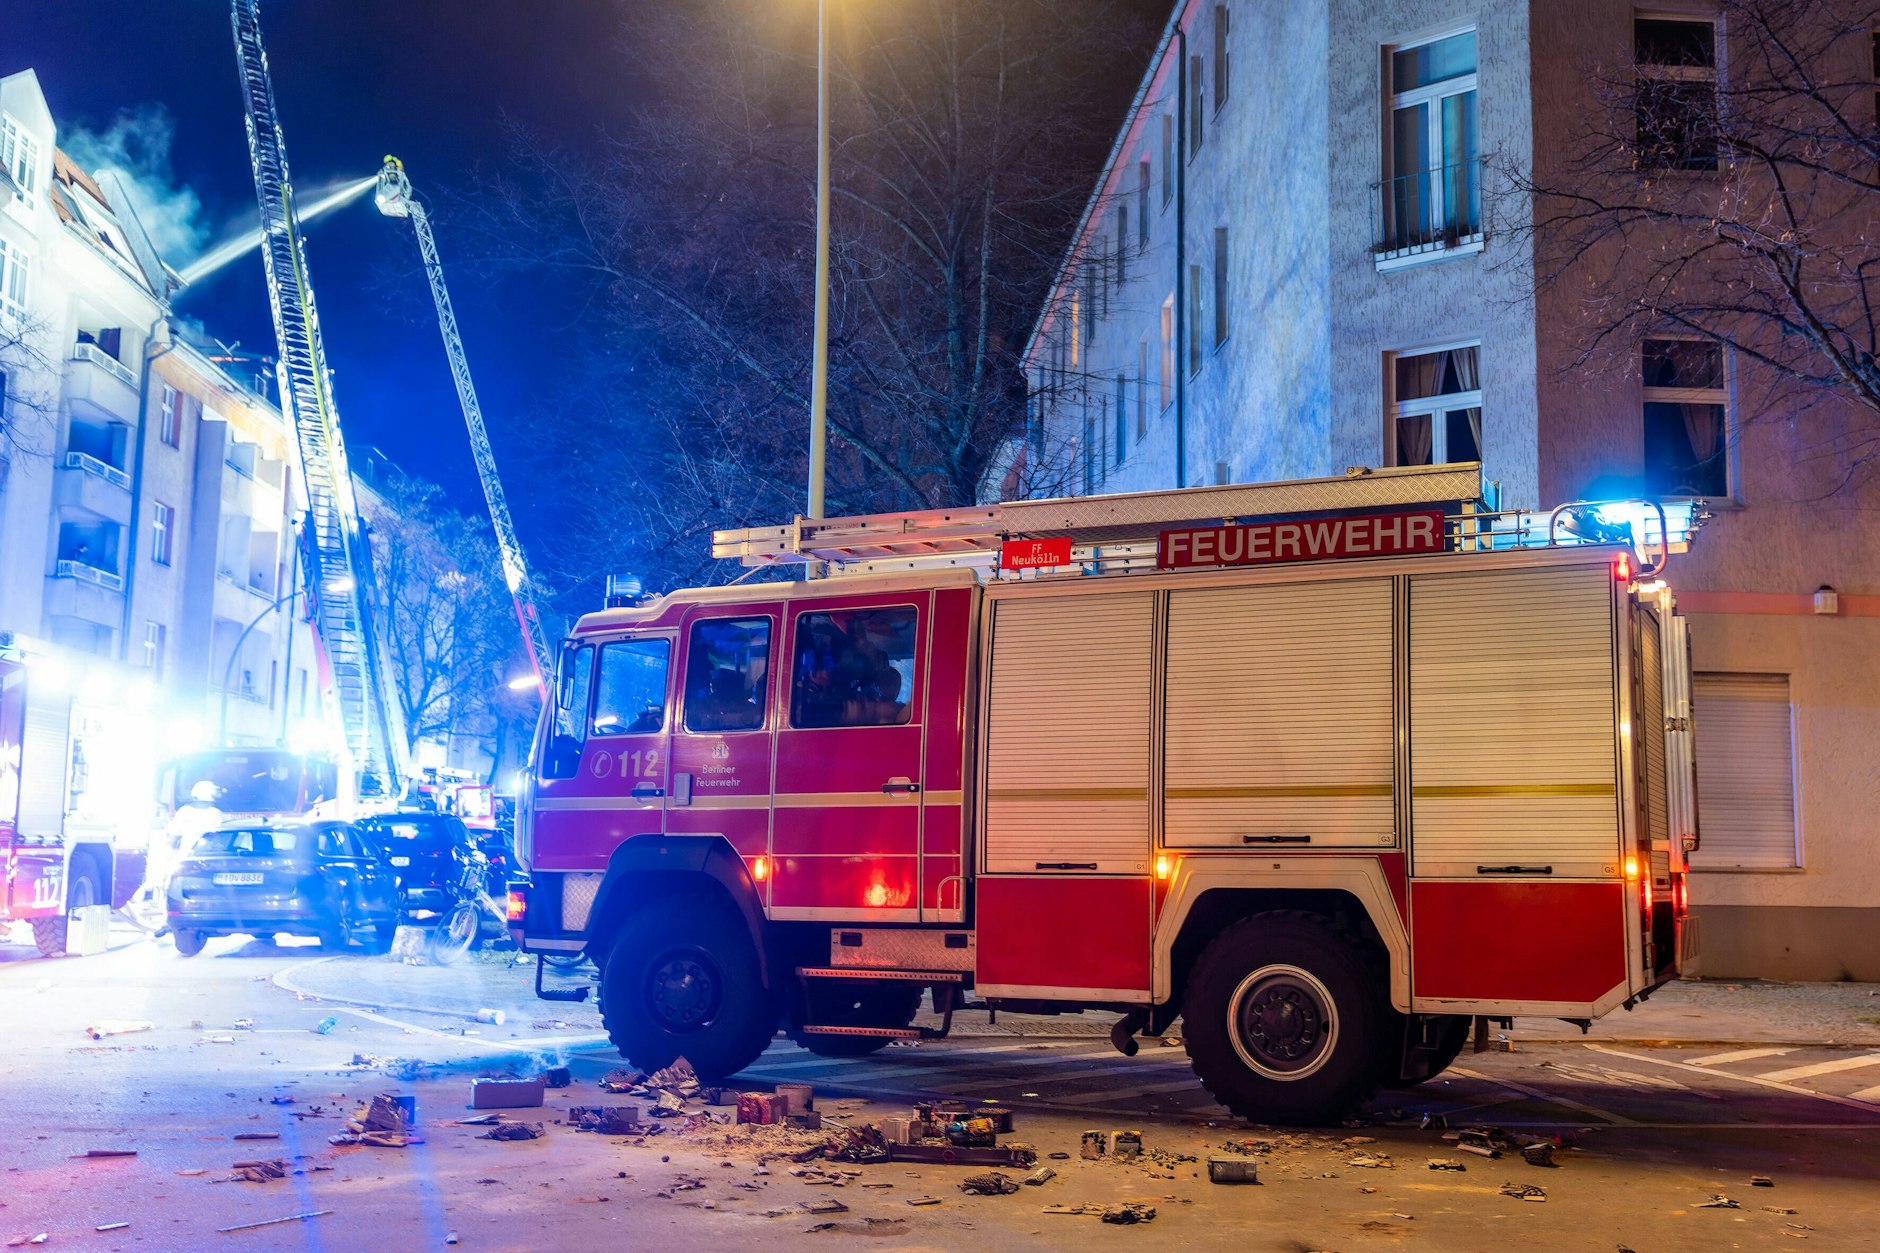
[
  {"x": 395, "y": 200},
  {"x": 337, "y": 565}
]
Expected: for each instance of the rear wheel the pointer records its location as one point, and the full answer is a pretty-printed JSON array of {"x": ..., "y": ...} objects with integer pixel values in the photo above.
[
  {"x": 81, "y": 890},
  {"x": 851, "y": 1003},
  {"x": 682, "y": 980},
  {"x": 1283, "y": 1016},
  {"x": 455, "y": 936},
  {"x": 188, "y": 943}
]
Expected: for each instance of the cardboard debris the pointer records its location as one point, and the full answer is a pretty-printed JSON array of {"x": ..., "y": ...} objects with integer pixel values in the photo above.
[
  {"x": 1093, "y": 1145},
  {"x": 801, "y": 1097},
  {"x": 557, "y": 1077},
  {"x": 506, "y": 1093},
  {"x": 260, "y": 1172},
  {"x": 1523, "y": 1192},
  {"x": 622, "y": 1080},
  {"x": 1371, "y": 1161},
  {"x": 514, "y": 1131},
  {"x": 607, "y": 1120}
]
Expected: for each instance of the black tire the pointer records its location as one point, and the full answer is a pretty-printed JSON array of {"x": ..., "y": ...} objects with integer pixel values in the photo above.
[
  {"x": 851, "y": 1003},
  {"x": 50, "y": 934},
  {"x": 682, "y": 980},
  {"x": 454, "y": 936},
  {"x": 564, "y": 961},
  {"x": 1282, "y": 1019},
  {"x": 1454, "y": 1036},
  {"x": 188, "y": 943}
]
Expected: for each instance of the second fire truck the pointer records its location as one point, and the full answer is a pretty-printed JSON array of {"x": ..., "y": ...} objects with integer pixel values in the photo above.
[{"x": 1329, "y": 769}]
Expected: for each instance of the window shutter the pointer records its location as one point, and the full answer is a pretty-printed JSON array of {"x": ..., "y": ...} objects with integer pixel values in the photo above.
[{"x": 1745, "y": 772}]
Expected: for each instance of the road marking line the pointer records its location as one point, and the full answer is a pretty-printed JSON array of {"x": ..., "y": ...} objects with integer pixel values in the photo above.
[
  {"x": 1865, "y": 1094},
  {"x": 1762, "y": 1080},
  {"x": 1823, "y": 1068},
  {"x": 1741, "y": 1055},
  {"x": 1510, "y": 1085}
]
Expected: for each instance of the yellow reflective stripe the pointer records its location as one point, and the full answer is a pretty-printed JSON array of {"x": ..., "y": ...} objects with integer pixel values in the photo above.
[
  {"x": 1279, "y": 791},
  {"x": 1068, "y": 794},
  {"x": 1516, "y": 789}
]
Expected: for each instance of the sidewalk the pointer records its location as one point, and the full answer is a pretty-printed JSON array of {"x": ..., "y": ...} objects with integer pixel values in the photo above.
[{"x": 1699, "y": 1012}]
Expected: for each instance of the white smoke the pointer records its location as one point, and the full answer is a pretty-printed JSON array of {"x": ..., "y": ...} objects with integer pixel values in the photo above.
[{"x": 137, "y": 146}]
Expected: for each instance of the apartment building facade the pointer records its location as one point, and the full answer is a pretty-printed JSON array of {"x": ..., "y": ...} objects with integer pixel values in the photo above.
[{"x": 1306, "y": 252}]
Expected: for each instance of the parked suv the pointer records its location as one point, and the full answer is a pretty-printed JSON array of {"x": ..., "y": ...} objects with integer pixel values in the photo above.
[{"x": 324, "y": 879}]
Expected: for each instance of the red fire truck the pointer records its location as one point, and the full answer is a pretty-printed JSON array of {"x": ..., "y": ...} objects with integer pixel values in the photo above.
[{"x": 1329, "y": 769}]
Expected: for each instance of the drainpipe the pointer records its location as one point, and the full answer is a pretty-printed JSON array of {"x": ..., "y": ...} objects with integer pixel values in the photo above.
[
  {"x": 137, "y": 481},
  {"x": 1182, "y": 155}
]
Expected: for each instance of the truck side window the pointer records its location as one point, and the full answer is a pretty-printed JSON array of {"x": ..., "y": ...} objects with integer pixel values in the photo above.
[
  {"x": 631, "y": 697},
  {"x": 574, "y": 681},
  {"x": 854, "y": 668},
  {"x": 727, "y": 672}
]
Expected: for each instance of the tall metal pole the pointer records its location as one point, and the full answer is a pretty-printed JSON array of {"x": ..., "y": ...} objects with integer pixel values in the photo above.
[{"x": 819, "y": 382}]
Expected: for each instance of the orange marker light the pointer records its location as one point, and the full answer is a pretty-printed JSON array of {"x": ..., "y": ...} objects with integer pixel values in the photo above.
[
  {"x": 1631, "y": 867},
  {"x": 1622, "y": 568},
  {"x": 517, "y": 907},
  {"x": 1162, "y": 867},
  {"x": 760, "y": 869}
]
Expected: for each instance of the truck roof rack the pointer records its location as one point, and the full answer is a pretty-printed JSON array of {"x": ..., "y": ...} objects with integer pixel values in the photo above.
[{"x": 1118, "y": 532}]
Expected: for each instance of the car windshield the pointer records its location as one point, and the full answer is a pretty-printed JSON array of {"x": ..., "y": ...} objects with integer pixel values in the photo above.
[
  {"x": 246, "y": 843},
  {"x": 263, "y": 781},
  {"x": 409, "y": 835}
]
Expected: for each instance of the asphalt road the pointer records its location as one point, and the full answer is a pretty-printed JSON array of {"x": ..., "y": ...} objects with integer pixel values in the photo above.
[{"x": 1650, "y": 1132}]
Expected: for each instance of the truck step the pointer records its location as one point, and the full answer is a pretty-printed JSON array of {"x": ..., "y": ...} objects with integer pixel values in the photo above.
[
  {"x": 854, "y": 972},
  {"x": 872, "y": 1033}
]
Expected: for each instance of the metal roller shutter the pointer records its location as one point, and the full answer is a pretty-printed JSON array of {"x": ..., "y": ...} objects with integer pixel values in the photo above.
[
  {"x": 1278, "y": 727},
  {"x": 1745, "y": 772},
  {"x": 1651, "y": 651},
  {"x": 45, "y": 757},
  {"x": 1512, "y": 722},
  {"x": 1067, "y": 753}
]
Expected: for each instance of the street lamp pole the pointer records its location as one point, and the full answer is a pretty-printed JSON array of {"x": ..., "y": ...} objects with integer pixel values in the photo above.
[{"x": 819, "y": 381}]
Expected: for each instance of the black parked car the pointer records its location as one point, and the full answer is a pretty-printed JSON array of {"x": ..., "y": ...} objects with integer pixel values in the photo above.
[
  {"x": 324, "y": 879},
  {"x": 428, "y": 850}
]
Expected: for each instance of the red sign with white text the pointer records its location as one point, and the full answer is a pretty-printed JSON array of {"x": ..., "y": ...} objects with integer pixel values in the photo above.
[
  {"x": 1303, "y": 539},
  {"x": 1032, "y": 554}
]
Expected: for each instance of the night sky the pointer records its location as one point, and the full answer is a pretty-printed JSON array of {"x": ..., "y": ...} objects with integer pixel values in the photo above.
[
  {"x": 431, "y": 81},
  {"x": 354, "y": 79}
]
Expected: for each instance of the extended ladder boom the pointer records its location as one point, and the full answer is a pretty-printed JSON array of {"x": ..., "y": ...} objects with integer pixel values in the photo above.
[
  {"x": 395, "y": 199},
  {"x": 338, "y": 570}
]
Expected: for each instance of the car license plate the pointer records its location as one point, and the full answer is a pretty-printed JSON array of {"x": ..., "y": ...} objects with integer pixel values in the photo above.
[
  {"x": 235, "y": 878},
  {"x": 401, "y": 861}
]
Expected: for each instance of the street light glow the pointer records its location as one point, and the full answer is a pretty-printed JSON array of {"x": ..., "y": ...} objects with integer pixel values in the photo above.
[{"x": 523, "y": 683}]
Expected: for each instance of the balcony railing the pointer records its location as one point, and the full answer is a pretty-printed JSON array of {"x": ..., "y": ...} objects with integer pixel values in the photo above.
[
  {"x": 104, "y": 361},
  {"x": 71, "y": 569},
  {"x": 246, "y": 472},
  {"x": 1430, "y": 210},
  {"x": 91, "y": 465}
]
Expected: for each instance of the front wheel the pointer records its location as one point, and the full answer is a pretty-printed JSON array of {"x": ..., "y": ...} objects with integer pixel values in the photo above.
[
  {"x": 682, "y": 980},
  {"x": 1283, "y": 1017},
  {"x": 455, "y": 936},
  {"x": 51, "y": 934},
  {"x": 188, "y": 943}
]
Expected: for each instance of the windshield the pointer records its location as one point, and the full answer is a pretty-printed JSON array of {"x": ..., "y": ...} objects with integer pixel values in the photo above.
[
  {"x": 246, "y": 843},
  {"x": 258, "y": 781},
  {"x": 422, "y": 835}
]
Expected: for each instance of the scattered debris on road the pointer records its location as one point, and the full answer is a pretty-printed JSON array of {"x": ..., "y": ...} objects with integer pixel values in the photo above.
[
  {"x": 491, "y": 1093},
  {"x": 1233, "y": 1170},
  {"x": 276, "y": 1222},
  {"x": 1523, "y": 1192},
  {"x": 513, "y": 1131},
  {"x": 992, "y": 1183},
  {"x": 91, "y": 1154},
  {"x": 117, "y": 1026},
  {"x": 607, "y": 1120},
  {"x": 1446, "y": 1163},
  {"x": 1717, "y": 1201}
]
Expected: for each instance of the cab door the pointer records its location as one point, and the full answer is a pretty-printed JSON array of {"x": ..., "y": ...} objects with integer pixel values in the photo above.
[
  {"x": 604, "y": 769},
  {"x": 849, "y": 778},
  {"x": 722, "y": 738}
]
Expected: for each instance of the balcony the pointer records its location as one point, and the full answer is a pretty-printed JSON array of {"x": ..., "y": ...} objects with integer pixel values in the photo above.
[
  {"x": 77, "y": 590},
  {"x": 90, "y": 486},
  {"x": 99, "y": 383},
  {"x": 1429, "y": 213}
]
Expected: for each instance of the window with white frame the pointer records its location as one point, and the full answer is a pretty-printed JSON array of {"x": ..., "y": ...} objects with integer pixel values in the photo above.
[
  {"x": 1194, "y": 319},
  {"x": 1168, "y": 158},
  {"x": 1687, "y": 427},
  {"x": 1432, "y": 188},
  {"x": 1167, "y": 375},
  {"x": 1675, "y": 102},
  {"x": 1220, "y": 56},
  {"x": 155, "y": 636},
  {"x": 1437, "y": 407},
  {"x": 1197, "y": 93},
  {"x": 13, "y": 270},
  {"x": 1220, "y": 286},
  {"x": 1744, "y": 726},
  {"x": 167, "y": 422},
  {"x": 162, "y": 533},
  {"x": 19, "y": 153}
]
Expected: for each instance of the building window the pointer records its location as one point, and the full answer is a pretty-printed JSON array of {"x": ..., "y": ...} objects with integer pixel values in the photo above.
[
  {"x": 303, "y": 693},
  {"x": 1744, "y": 726},
  {"x": 1167, "y": 371},
  {"x": 162, "y": 533},
  {"x": 13, "y": 267},
  {"x": 1220, "y": 286},
  {"x": 1686, "y": 418},
  {"x": 1091, "y": 263},
  {"x": 166, "y": 417},
  {"x": 1674, "y": 100},
  {"x": 1220, "y": 56},
  {"x": 1142, "y": 388},
  {"x": 1194, "y": 319},
  {"x": 1432, "y": 181},
  {"x": 1074, "y": 337},
  {"x": 1437, "y": 405},
  {"x": 1122, "y": 416},
  {"x": 1220, "y": 474},
  {"x": 1168, "y": 158},
  {"x": 1142, "y": 204},
  {"x": 156, "y": 635},
  {"x": 19, "y": 154},
  {"x": 1122, "y": 243},
  {"x": 1196, "y": 95},
  {"x": 274, "y": 681}
]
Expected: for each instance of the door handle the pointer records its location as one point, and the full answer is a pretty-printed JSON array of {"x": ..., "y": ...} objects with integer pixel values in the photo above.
[
  {"x": 643, "y": 791},
  {"x": 1064, "y": 865},
  {"x": 681, "y": 788},
  {"x": 900, "y": 785},
  {"x": 1514, "y": 870},
  {"x": 1276, "y": 839}
]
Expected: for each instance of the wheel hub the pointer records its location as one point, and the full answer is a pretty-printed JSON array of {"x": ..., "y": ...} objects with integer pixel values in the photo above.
[
  {"x": 683, "y": 991},
  {"x": 1284, "y": 1022}
]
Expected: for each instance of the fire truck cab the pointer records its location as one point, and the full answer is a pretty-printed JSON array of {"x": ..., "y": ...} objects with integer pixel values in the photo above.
[{"x": 1330, "y": 774}]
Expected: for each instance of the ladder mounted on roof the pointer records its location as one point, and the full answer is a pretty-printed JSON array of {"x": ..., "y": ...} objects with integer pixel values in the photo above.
[{"x": 1109, "y": 534}]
